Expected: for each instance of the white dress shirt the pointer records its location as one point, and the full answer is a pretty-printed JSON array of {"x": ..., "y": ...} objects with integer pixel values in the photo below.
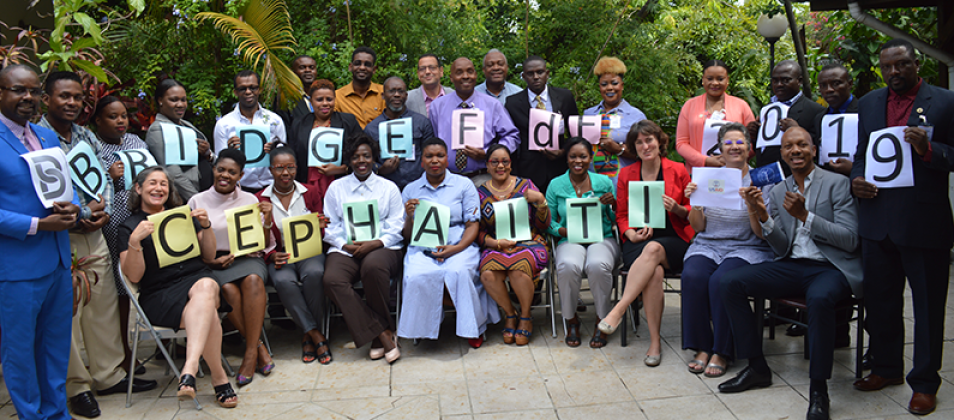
[
  {"x": 255, "y": 178},
  {"x": 803, "y": 247},
  {"x": 349, "y": 190}
]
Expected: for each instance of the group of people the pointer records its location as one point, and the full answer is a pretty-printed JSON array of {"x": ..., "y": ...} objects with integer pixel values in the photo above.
[{"x": 816, "y": 234}]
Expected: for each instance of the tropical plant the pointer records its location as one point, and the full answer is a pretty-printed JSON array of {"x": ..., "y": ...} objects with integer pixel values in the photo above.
[{"x": 263, "y": 32}]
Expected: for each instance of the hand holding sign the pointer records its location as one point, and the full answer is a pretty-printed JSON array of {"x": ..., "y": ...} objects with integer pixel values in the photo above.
[
  {"x": 770, "y": 133},
  {"x": 302, "y": 236},
  {"x": 431, "y": 225},
  {"x": 717, "y": 187},
  {"x": 467, "y": 128},
  {"x": 180, "y": 145},
  {"x": 770, "y": 174},
  {"x": 252, "y": 141},
  {"x": 174, "y": 236},
  {"x": 246, "y": 234},
  {"x": 586, "y": 126},
  {"x": 646, "y": 204},
  {"x": 584, "y": 222},
  {"x": 839, "y": 137},
  {"x": 544, "y": 130},
  {"x": 396, "y": 138},
  {"x": 86, "y": 171},
  {"x": 888, "y": 159},
  {"x": 512, "y": 220},
  {"x": 134, "y": 161},
  {"x": 48, "y": 171},
  {"x": 324, "y": 146}
]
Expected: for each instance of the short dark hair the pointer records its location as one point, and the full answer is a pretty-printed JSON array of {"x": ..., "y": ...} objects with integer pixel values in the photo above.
[
  {"x": 533, "y": 58},
  {"x": 164, "y": 87},
  {"x": 135, "y": 200},
  {"x": 56, "y": 76},
  {"x": 320, "y": 84},
  {"x": 439, "y": 64},
  {"x": 433, "y": 141},
  {"x": 278, "y": 151},
  {"x": 902, "y": 43},
  {"x": 300, "y": 56},
  {"x": 715, "y": 63},
  {"x": 648, "y": 128},
  {"x": 366, "y": 50},
  {"x": 573, "y": 141},
  {"x": 495, "y": 147},
  {"x": 790, "y": 63},
  {"x": 11, "y": 67},
  {"x": 833, "y": 66},
  {"x": 102, "y": 103},
  {"x": 355, "y": 141},
  {"x": 246, "y": 73},
  {"x": 235, "y": 155}
]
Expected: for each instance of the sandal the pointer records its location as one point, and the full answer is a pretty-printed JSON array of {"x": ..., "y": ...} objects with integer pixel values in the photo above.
[
  {"x": 720, "y": 370},
  {"x": 573, "y": 334},
  {"x": 701, "y": 364},
  {"x": 599, "y": 340},
  {"x": 186, "y": 380},
  {"x": 324, "y": 358},
  {"x": 509, "y": 339},
  {"x": 522, "y": 337},
  {"x": 308, "y": 356},
  {"x": 223, "y": 393}
]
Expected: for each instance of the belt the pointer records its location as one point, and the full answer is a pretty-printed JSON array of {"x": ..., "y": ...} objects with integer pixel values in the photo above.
[{"x": 474, "y": 173}]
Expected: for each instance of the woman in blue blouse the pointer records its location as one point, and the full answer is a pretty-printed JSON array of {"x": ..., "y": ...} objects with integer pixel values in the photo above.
[{"x": 573, "y": 259}]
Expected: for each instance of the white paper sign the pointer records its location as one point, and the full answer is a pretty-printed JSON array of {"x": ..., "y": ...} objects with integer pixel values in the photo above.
[
  {"x": 586, "y": 126},
  {"x": 467, "y": 128},
  {"x": 324, "y": 146},
  {"x": 717, "y": 187},
  {"x": 888, "y": 159},
  {"x": 544, "y": 130},
  {"x": 710, "y": 137},
  {"x": 50, "y": 175},
  {"x": 839, "y": 137},
  {"x": 134, "y": 161},
  {"x": 396, "y": 138},
  {"x": 181, "y": 146},
  {"x": 770, "y": 133},
  {"x": 86, "y": 170}
]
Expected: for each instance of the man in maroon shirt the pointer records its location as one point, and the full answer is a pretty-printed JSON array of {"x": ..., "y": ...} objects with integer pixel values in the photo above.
[{"x": 906, "y": 232}]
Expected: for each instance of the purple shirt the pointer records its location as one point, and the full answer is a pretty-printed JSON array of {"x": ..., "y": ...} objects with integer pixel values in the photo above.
[{"x": 497, "y": 125}]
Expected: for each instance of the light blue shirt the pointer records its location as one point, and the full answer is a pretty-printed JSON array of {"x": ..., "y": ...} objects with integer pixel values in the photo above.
[
  {"x": 629, "y": 116},
  {"x": 456, "y": 192},
  {"x": 509, "y": 89}
]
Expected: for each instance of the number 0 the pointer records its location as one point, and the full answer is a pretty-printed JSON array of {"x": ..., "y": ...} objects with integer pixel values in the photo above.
[{"x": 775, "y": 125}]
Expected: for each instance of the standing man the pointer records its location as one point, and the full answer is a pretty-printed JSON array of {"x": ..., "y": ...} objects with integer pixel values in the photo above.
[
  {"x": 94, "y": 324},
  {"x": 812, "y": 227},
  {"x": 906, "y": 232},
  {"x": 430, "y": 71},
  {"x": 539, "y": 166},
  {"x": 362, "y": 98},
  {"x": 249, "y": 112},
  {"x": 399, "y": 170},
  {"x": 495, "y": 83},
  {"x": 835, "y": 85},
  {"x": 498, "y": 128},
  {"x": 786, "y": 86},
  {"x": 305, "y": 68},
  {"x": 36, "y": 293}
]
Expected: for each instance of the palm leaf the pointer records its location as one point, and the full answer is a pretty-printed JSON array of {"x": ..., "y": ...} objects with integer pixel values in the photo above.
[{"x": 263, "y": 32}]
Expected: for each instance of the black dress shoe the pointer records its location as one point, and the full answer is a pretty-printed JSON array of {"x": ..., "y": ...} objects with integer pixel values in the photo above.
[
  {"x": 139, "y": 385},
  {"x": 746, "y": 380},
  {"x": 818, "y": 406},
  {"x": 84, "y": 404},
  {"x": 795, "y": 330}
]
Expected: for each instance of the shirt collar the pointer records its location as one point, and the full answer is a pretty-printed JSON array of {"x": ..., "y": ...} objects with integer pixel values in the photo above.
[
  {"x": 76, "y": 131},
  {"x": 428, "y": 98},
  {"x": 788, "y": 102},
  {"x": 17, "y": 129},
  {"x": 909, "y": 95},
  {"x": 299, "y": 190},
  {"x": 622, "y": 108},
  {"x": 843, "y": 108},
  {"x": 349, "y": 88},
  {"x": 545, "y": 95},
  {"x": 444, "y": 183},
  {"x": 366, "y": 183}
]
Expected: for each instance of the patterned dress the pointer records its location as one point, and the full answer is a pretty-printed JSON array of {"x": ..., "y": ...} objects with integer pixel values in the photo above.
[
  {"x": 527, "y": 256},
  {"x": 120, "y": 195}
]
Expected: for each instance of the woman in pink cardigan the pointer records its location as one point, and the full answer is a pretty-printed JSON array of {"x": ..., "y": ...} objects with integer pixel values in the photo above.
[{"x": 714, "y": 104}]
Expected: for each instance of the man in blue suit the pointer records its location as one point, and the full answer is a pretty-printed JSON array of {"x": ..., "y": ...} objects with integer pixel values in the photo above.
[{"x": 36, "y": 297}]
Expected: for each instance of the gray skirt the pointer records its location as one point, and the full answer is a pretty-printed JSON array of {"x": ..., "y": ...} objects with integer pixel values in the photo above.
[{"x": 241, "y": 268}]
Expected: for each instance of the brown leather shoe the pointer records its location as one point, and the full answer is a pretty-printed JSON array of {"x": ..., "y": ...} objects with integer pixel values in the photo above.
[
  {"x": 922, "y": 404},
  {"x": 874, "y": 382}
]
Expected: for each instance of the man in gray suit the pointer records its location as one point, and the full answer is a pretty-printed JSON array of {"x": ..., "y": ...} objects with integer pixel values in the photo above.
[
  {"x": 429, "y": 72},
  {"x": 813, "y": 230}
]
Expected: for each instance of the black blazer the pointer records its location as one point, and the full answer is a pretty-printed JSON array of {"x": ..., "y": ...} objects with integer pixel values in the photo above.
[
  {"x": 301, "y": 130},
  {"x": 803, "y": 111},
  {"x": 531, "y": 163},
  {"x": 918, "y": 216},
  {"x": 288, "y": 117}
]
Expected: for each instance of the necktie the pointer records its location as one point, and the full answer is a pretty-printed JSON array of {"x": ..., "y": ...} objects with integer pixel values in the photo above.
[
  {"x": 540, "y": 104},
  {"x": 460, "y": 159}
]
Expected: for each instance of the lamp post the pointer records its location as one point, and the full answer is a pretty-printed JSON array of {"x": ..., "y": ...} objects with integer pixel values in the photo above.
[{"x": 772, "y": 28}]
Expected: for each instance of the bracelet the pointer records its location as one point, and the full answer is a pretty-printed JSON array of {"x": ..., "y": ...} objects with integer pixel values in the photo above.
[
  {"x": 268, "y": 226},
  {"x": 205, "y": 227},
  {"x": 133, "y": 247}
]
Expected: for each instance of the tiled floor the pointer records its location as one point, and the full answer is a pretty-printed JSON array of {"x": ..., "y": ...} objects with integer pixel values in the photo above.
[{"x": 545, "y": 380}]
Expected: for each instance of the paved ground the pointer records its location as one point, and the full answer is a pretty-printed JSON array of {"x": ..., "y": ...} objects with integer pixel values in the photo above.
[{"x": 545, "y": 380}]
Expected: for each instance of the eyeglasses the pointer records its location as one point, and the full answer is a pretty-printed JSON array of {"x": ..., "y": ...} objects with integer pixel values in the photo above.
[
  {"x": 22, "y": 90},
  {"x": 359, "y": 63},
  {"x": 499, "y": 162},
  {"x": 729, "y": 142},
  {"x": 287, "y": 168},
  {"x": 244, "y": 88},
  {"x": 422, "y": 69}
]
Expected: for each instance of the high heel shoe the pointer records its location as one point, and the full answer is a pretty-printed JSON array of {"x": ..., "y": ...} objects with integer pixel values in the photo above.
[
  {"x": 266, "y": 369},
  {"x": 395, "y": 353}
]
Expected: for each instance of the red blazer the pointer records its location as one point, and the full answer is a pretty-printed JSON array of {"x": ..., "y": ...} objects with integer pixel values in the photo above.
[
  {"x": 676, "y": 178},
  {"x": 314, "y": 202}
]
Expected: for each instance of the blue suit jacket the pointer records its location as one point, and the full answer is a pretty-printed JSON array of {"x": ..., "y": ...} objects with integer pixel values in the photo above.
[{"x": 22, "y": 256}]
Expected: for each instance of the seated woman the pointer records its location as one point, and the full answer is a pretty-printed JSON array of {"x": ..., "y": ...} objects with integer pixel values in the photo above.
[
  {"x": 726, "y": 239},
  {"x": 372, "y": 262},
  {"x": 448, "y": 274},
  {"x": 299, "y": 283},
  {"x": 181, "y": 295},
  {"x": 502, "y": 258},
  {"x": 322, "y": 97},
  {"x": 598, "y": 259},
  {"x": 242, "y": 278},
  {"x": 648, "y": 252}
]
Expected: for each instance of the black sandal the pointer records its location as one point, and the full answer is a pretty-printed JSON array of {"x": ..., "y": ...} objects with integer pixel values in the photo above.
[
  {"x": 598, "y": 341},
  {"x": 188, "y": 393},
  {"x": 573, "y": 334},
  {"x": 223, "y": 393},
  {"x": 327, "y": 353},
  {"x": 306, "y": 355}
]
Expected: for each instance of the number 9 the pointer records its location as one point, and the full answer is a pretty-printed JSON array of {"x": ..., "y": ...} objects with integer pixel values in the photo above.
[{"x": 897, "y": 157}]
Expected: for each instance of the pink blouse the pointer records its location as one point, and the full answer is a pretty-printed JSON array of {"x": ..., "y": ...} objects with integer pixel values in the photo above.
[{"x": 692, "y": 121}]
